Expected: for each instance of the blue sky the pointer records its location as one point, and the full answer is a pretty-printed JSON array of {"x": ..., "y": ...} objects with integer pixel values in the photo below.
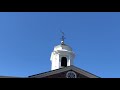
[{"x": 28, "y": 38}]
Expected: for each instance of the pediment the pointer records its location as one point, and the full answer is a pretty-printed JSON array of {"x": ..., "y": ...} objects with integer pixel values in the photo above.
[{"x": 63, "y": 73}]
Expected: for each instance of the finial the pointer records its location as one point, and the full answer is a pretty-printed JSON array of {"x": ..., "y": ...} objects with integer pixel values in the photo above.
[{"x": 62, "y": 39}]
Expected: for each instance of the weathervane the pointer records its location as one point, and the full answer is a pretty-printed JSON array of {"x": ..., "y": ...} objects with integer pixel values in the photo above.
[{"x": 62, "y": 39}]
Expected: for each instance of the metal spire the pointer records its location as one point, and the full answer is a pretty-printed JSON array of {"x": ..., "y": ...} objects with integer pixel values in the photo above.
[{"x": 63, "y": 37}]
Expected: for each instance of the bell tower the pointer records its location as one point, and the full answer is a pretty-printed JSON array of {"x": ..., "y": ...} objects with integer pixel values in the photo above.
[{"x": 62, "y": 55}]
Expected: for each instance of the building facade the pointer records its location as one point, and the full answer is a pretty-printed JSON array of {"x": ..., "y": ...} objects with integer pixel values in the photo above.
[{"x": 62, "y": 64}]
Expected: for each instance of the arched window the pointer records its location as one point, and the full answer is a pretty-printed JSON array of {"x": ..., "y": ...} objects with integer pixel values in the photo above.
[{"x": 64, "y": 62}]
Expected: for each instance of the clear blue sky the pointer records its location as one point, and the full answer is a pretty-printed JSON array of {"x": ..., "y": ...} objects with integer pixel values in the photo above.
[{"x": 28, "y": 38}]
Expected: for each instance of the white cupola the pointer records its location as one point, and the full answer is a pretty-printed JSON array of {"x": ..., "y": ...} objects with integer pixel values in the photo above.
[{"x": 62, "y": 56}]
